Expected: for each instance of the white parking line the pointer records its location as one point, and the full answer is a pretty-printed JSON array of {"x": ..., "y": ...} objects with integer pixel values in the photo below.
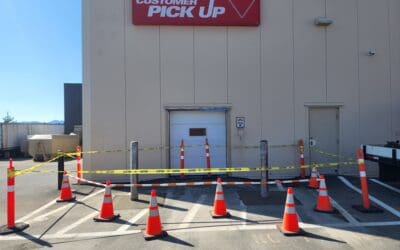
[
  {"x": 243, "y": 214},
  {"x": 28, "y": 216},
  {"x": 133, "y": 220},
  {"x": 65, "y": 207},
  {"x": 380, "y": 224},
  {"x": 193, "y": 211},
  {"x": 372, "y": 198},
  {"x": 204, "y": 229},
  {"x": 343, "y": 211},
  {"x": 273, "y": 226},
  {"x": 69, "y": 236},
  {"x": 77, "y": 223},
  {"x": 386, "y": 185}
]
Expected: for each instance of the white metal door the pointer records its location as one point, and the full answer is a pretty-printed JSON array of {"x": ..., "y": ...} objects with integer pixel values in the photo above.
[
  {"x": 324, "y": 137},
  {"x": 194, "y": 127}
]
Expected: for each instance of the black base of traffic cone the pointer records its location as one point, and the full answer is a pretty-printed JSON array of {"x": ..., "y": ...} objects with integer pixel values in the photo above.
[
  {"x": 17, "y": 228},
  {"x": 72, "y": 199},
  {"x": 215, "y": 216},
  {"x": 154, "y": 237},
  {"x": 333, "y": 211},
  {"x": 371, "y": 209},
  {"x": 99, "y": 219},
  {"x": 288, "y": 233}
]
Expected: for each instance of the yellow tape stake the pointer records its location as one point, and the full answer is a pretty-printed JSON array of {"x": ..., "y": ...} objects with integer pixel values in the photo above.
[{"x": 193, "y": 170}]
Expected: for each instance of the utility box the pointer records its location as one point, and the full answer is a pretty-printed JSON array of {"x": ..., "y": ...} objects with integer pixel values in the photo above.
[{"x": 45, "y": 147}]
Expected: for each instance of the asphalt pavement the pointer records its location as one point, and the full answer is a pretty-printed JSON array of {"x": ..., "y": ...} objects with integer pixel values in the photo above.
[{"x": 185, "y": 215}]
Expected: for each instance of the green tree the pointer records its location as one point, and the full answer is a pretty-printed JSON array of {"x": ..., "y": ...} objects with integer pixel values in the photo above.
[{"x": 8, "y": 118}]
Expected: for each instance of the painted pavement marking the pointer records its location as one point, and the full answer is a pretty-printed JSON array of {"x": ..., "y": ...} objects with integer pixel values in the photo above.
[
  {"x": 132, "y": 221},
  {"x": 69, "y": 205},
  {"x": 386, "y": 185},
  {"x": 372, "y": 198},
  {"x": 193, "y": 211},
  {"x": 77, "y": 223}
]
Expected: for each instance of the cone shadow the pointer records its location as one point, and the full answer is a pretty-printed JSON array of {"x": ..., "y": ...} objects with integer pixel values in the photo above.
[
  {"x": 319, "y": 237},
  {"x": 35, "y": 240},
  {"x": 175, "y": 240}
]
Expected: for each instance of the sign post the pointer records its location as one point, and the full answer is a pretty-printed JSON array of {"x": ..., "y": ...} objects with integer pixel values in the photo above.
[
  {"x": 134, "y": 163},
  {"x": 264, "y": 164}
]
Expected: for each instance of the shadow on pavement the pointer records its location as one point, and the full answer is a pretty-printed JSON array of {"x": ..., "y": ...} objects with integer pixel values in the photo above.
[
  {"x": 319, "y": 237},
  {"x": 35, "y": 240},
  {"x": 175, "y": 240}
]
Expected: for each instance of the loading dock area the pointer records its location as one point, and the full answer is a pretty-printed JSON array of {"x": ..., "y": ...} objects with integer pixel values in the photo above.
[
  {"x": 293, "y": 70},
  {"x": 185, "y": 216}
]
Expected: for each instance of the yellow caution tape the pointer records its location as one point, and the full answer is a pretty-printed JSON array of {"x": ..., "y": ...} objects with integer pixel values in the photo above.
[
  {"x": 70, "y": 155},
  {"x": 74, "y": 154},
  {"x": 330, "y": 154},
  {"x": 158, "y": 148},
  {"x": 34, "y": 167},
  {"x": 194, "y": 170}
]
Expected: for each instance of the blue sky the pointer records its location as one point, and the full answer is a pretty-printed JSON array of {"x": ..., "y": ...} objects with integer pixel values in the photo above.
[{"x": 40, "y": 50}]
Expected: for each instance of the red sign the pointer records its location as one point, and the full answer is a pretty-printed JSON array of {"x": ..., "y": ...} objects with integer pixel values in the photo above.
[{"x": 197, "y": 12}]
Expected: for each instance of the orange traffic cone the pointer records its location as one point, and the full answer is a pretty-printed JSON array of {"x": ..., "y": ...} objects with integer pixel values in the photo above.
[
  {"x": 107, "y": 209},
  {"x": 313, "y": 183},
  {"x": 219, "y": 210},
  {"x": 65, "y": 193},
  {"x": 153, "y": 227},
  {"x": 323, "y": 203},
  {"x": 290, "y": 224}
]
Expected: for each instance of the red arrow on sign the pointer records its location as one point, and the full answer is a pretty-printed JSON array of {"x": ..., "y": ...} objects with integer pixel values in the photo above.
[{"x": 242, "y": 7}]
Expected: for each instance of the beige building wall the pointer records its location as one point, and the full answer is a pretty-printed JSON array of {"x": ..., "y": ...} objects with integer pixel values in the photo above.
[{"x": 270, "y": 74}]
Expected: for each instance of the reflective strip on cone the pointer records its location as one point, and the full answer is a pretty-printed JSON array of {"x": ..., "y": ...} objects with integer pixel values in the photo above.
[
  {"x": 290, "y": 210},
  {"x": 314, "y": 172},
  {"x": 323, "y": 192},
  {"x": 322, "y": 184},
  {"x": 107, "y": 200},
  {"x": 289, "y": 199},
  {"x": 153, "y": 213},
  {"x": 153, "y": 202},
  {"x": 219, "y": 197}
]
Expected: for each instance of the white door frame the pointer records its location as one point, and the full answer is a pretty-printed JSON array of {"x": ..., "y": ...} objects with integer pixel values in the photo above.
[
  {"x": 310, "y": 106},
  {"x": 222, "y": 108}
]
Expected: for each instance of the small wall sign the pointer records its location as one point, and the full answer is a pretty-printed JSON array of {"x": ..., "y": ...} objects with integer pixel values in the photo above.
[{"x": 240, "y": 122}]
